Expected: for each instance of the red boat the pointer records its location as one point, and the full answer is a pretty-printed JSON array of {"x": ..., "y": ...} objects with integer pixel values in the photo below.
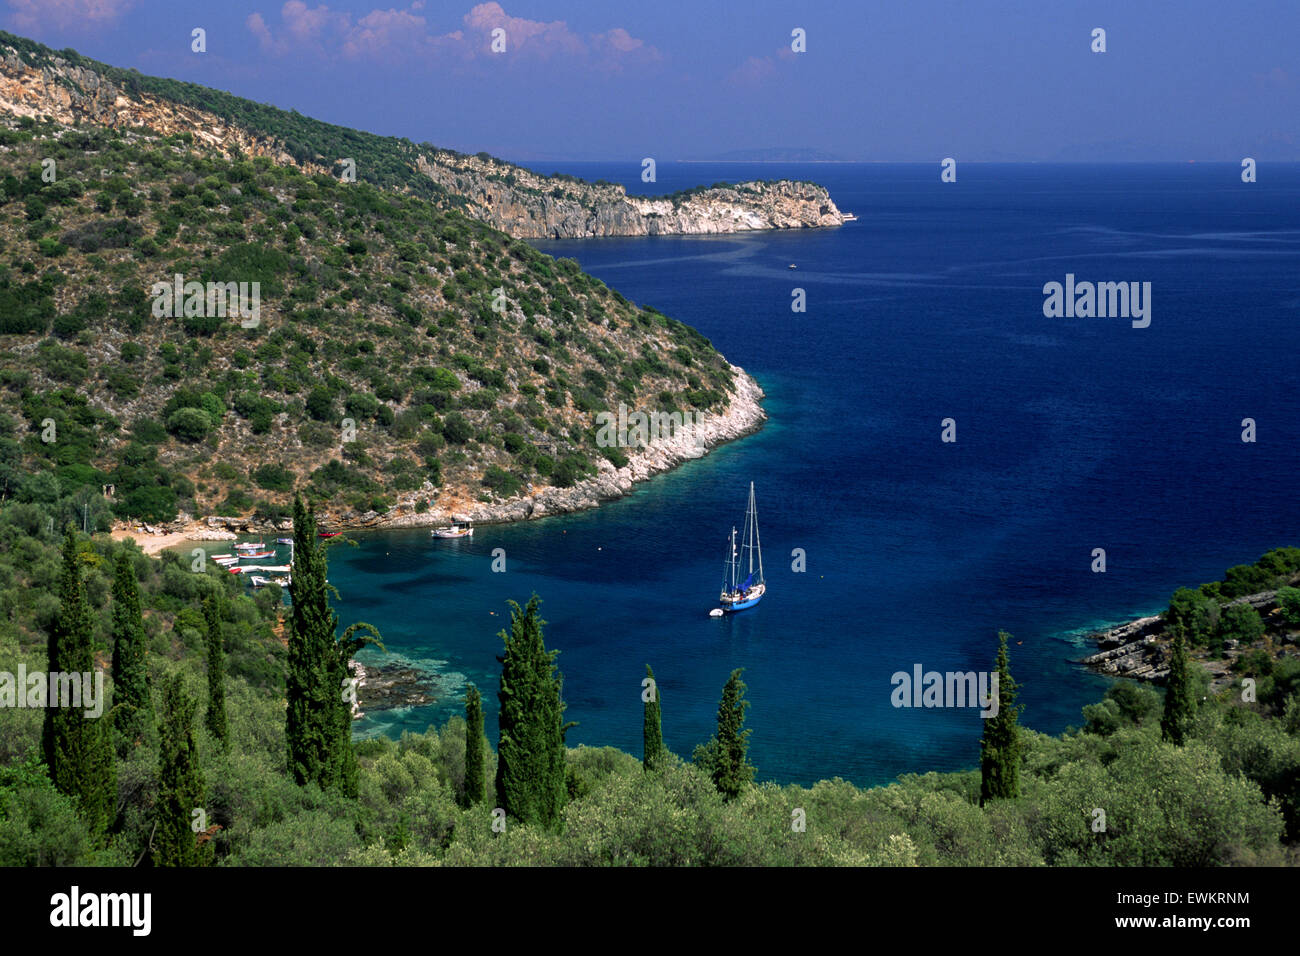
[{"x": 329, "y": 534}]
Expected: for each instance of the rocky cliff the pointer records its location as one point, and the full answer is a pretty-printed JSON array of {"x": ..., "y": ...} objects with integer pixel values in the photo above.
[{"x": 526, "y": 205}]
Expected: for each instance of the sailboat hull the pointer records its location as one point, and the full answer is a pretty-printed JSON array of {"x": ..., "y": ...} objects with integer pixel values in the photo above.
[{"x": 734, "y": 602}]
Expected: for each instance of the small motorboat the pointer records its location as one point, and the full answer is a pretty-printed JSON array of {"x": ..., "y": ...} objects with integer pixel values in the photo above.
[
  {"x": 226, "y": 560},
  {"x": 457, "y": 530},
  {"x": 717, "y": 612},
  {"x": 259, "y": 581},
  {"x": 329, "y": 534},
  {"x": 284, "y": 540},
  {"x": 251, "y": 546},
  {"x": 249, "y": 555}
]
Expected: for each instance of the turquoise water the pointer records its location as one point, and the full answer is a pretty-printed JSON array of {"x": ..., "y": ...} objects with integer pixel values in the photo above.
[{"x": 1072, "y": 434}]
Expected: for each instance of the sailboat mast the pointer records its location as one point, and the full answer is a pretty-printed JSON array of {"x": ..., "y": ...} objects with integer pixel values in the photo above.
[
  {"x": 758, "y": 545},
  {"x": 749, "y": 527}
]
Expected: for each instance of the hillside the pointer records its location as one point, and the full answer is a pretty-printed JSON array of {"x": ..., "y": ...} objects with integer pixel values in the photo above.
[
  {"x": 376, "y": 308},
  {"x": 68, "y": 88},
  {"x": 1228, "y": 796}
]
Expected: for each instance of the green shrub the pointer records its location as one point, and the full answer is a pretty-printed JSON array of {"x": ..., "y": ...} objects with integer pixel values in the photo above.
[{"x": 190, "y": 424}]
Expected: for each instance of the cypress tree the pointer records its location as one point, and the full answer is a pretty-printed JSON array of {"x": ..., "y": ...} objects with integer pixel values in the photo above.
[
  {"x": 181, "y": 789},
  {"x": 132, "y": 702},
  {"x": 531, "y": 771},
  {"x": 318, "y": 719},
  {"x": 311, "y": 626},
  {"x": 78, "y": 748},
  {"x": 216, "y": 716},
  {"x": 475, "y": 782},
  {"x": 651, "y": 725},
  {"x": 732, "y": 771},
  {"x": 1180, "y": 705},
  {"x": 1000, "y": 744}
]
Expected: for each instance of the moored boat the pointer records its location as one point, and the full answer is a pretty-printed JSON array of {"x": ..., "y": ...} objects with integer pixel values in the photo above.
[
  {"x": 737, "y": 593},
  {"x": 249, "y": 555},
  {"x": 457, "y": 530}
]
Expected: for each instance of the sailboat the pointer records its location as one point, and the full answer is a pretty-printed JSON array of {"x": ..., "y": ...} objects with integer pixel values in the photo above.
[{"x": 740, "y": 592}]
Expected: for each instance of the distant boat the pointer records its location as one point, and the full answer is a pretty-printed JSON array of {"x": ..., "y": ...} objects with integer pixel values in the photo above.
[
  {"x": 793, "y": 266},
  {"x": 259, "y": 581},
  {"x": 284, "y": 540},
  {"x": 329, "y": 534},
  {"x": 226, "y": 560},
  {"x": 849, "y": 217},
  {"x": 737, "y": 593},
  {"x": 455, "y": 531},
  {"x": 251, "y": 546},
  {"x": 247, "y": 555}
]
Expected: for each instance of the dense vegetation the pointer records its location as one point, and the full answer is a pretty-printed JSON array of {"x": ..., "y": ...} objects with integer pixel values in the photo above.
[
  {"x": 379, "y": 373},
  {"x": 1230, "y": 794}
]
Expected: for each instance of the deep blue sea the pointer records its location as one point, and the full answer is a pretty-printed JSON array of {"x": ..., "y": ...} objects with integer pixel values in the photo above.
[{"x": 1072, "y": 434}]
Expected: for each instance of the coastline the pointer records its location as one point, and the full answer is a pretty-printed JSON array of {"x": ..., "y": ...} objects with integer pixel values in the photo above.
[
  {"x": 1139, "y": 649},
  {"x": 743, "y": 416}
]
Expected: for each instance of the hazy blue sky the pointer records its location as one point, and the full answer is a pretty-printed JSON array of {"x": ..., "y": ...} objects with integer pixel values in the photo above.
[{"x": 910, "y": 80}]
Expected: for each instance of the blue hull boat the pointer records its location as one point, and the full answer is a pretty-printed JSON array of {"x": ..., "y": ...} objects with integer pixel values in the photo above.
[{"x": 738, "y": 594}]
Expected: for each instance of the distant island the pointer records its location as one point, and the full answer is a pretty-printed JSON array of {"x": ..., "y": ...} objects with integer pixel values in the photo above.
[{"x": 771, "y": 154}]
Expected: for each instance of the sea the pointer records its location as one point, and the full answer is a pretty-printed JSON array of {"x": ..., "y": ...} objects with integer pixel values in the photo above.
[{"x": 1096, "y": 466}]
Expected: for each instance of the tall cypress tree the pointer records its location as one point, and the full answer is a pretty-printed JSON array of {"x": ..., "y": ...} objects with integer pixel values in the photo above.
[
  {"x": 475, "y": 782},
  {"x": 311, "y": 626},
  {"x": 652, "y": 735},
  {"x": 132, "y": 702},
  {"x": 216, "y": 716},
  {"x": 1000, "y": 744},
  {"x": 530, "y": 779},
  {"x": 78, "y": 748},
  {"x": 1180, "y": 704},
  {"x": 181, "y": 789},
  {"x": 318, "y": 719},
  {"x": 732, "y": 771}
]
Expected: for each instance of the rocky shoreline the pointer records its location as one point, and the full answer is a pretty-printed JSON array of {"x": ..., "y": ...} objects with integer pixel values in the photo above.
[
  {"x": 389, "y": 686},
  {"x": 529, "y": 206},
  {"x": 743, "y": 416},
  {"x": 1140, "y": 649}
]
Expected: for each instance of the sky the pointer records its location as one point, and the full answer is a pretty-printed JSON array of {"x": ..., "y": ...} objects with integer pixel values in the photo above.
[{"x": 907, "y": 81}]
